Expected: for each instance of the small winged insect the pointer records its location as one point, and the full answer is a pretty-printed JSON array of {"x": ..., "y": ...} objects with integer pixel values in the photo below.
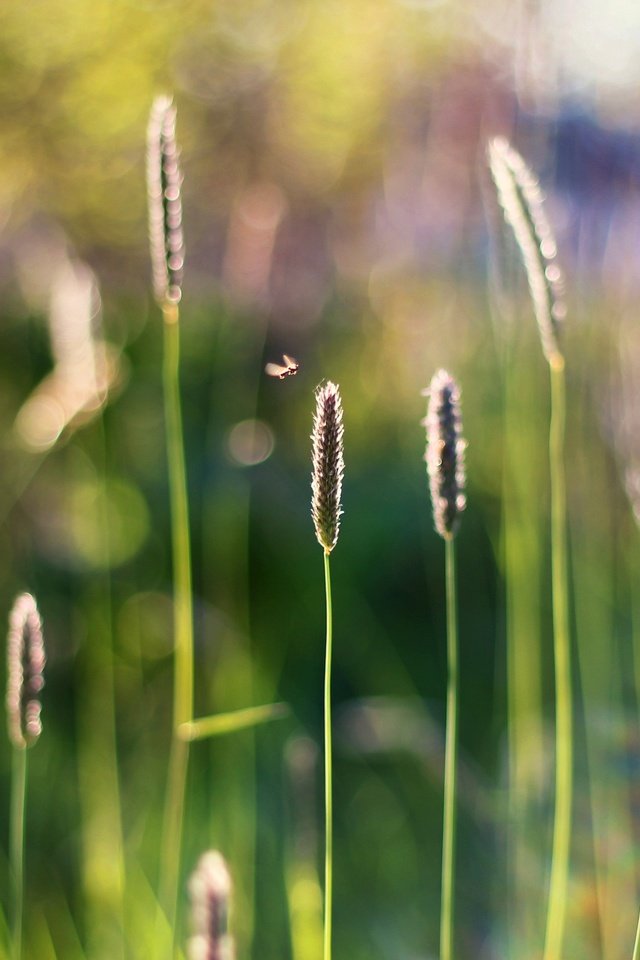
[{"x": 289, "y": 369}]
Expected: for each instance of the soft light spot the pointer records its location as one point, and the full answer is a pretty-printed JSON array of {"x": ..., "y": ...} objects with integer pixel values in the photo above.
[
  {"x": 108, "y": 523},
  {"x": 250, "y": 442}
]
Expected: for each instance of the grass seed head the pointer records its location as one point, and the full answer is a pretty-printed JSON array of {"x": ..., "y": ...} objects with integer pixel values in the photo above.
[
  {"x": 165, "y": 205},
  {"x": 521, "y": 199},
  {"x": 210, "y": 893},
  {"x": 328, "y": 465},
  {"x": 445, "y": 453},
  {"x": 25, "y": 665}
]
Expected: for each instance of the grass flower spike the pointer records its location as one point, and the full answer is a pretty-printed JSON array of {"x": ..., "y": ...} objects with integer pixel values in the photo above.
[
  {"x": 165, "y": 206},
  {"x": 522, "y": 202},
  {"x": 326, "y": 509},
  {"x": 25, "y": 664},
  {"x": 167, "y": 257},
  {"x": 445, "y": 467},
  {"x": 328, "y": 465},
  {"x": 445, "y": 453},
  {"x": 210, "y": 893}
]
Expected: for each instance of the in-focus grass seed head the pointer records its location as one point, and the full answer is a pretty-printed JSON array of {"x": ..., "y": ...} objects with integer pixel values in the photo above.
[
  {"x": 165, "y": 204},
  {"x": 25, "y": 666},
  {"x": 328, "y": 465},
  {"x": 210, "y": 894},
  {"x": 445, "y": 453},
  {"x": 522, "y": 203}
]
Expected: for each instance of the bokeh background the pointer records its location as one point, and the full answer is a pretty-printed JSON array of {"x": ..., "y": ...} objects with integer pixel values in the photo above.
[{"x": 337, "y": 207}]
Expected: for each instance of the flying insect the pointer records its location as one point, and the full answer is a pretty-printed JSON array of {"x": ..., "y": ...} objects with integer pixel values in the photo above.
[{"x": 282, "y": 371}]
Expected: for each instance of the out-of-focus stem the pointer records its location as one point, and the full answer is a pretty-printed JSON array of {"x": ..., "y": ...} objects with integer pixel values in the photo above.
[
  {"x": 562, "y": 653},
  {"x": 183, "y": 618},
  {"x": 18, "y": 798}
]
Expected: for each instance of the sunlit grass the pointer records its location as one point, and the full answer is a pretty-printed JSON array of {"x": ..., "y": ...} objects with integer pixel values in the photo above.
[{"x": 91, "y": 889}]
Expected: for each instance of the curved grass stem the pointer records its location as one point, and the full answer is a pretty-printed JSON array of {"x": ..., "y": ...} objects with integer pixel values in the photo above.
[
  {"x": 328, "y": 786},
  {"x": 448, "y": 828},
  {"x": 559, "y": 879}
]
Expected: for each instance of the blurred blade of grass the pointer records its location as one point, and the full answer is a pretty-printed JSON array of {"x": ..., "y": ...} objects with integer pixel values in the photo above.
[
  {"x": 603, "y": 666},
  {"x": 564, "y": 693},
  {"x": 302, "y": 880},
  {"x": 228, "y": 555},
  {"x": 221, "y": 723},
  {"x": 16, "y": 842},
  {"x": 4, "y": 929},
  {"x": 304, "y": 898},
  {"x": 62, "y": 928},
  {"x": 523, "y": 564},
  {"x": 524, "y": 509},
  {"x": 142, "y": 910},
  {"x": 633, "y": 567},
  {"x": 103, "y": 866},
  {"x": 40, "y": 944},
  {"x": 173, "y": 820},
  {"x": 522, "y": 202}
]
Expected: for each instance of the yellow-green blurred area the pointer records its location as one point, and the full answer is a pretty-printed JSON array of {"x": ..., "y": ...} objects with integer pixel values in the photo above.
[{"x": 337, "y": 208}]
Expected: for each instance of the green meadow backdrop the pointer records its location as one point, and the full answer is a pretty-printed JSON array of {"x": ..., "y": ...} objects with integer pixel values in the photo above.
[{"x": 337, "y": 208}]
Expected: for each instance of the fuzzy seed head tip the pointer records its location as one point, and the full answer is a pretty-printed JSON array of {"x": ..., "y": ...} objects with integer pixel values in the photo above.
[
  {"x": 445, "y": 454},
  {"x": 25, "y": 667},
  {"x": 522, "y": 203},
  {"x": 328, "y": 465},
  {"x": 164, "y": 182},
  {"x": 210, "y": 893}
]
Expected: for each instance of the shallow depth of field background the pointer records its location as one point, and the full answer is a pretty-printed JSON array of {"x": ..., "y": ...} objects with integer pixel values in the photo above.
[{"x": 337, "y": 208}]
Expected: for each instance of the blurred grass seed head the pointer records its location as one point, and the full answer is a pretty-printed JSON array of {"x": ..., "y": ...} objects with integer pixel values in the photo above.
[
  {"x": 25, "y": 666},
  {"x": 521, "y": 200},
  {"x": 444, "y": 455},
  {"x": 210, "y": 893},
  {"x": 165, "y": 204}
]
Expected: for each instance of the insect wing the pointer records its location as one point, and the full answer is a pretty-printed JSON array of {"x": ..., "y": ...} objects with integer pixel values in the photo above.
[
  {"x": 291, "y": 362},
  {"x": 276, "y": 370}
]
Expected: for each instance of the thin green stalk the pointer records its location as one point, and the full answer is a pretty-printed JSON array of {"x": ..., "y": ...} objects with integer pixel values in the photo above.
[
  {"x": 18, "y": 800},
  {"x": 449, "y": 826},
  {"x": 521, "y": 546},
  {"x": 103, "y": 865},
  {"x": 244, "y": 719},
  {"x": 328, "y": 788},
  {"x": 183, "y": 618},
  {"x": 237, "y": 671},
  {"x": 183, "y": 686},
  {"x": 562, "y": 654},
  {"x": 636, "y": 946}
]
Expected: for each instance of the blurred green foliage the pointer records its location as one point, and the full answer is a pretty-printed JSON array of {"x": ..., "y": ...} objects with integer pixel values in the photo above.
[{"x": 304, "y": 127}]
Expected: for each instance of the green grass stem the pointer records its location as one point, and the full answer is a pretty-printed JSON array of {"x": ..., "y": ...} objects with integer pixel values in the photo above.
[
  {"x": 636, "y": 945},
  {"x": 103, "y": 865},
  {"x": 18, "y": 802},
  {"x": 449, "y": 825},
  {"x": 522, "y": 535},
  {"x": 183, "y": 619},
  {"x": 328, "y": 769},
  {"x": 558, "y": 885},
  {"x": 230, "y": 722},
  {"x": 183, "y": 685}
]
